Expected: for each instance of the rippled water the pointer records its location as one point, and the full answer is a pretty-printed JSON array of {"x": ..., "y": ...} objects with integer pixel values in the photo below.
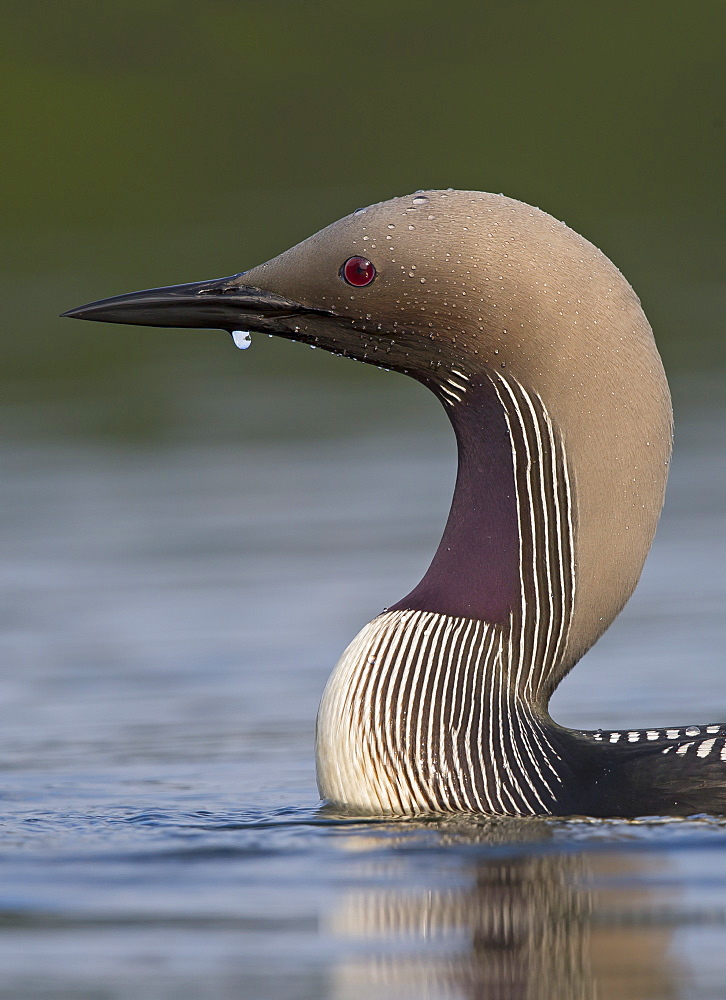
[{"x": 170, "y": 616}]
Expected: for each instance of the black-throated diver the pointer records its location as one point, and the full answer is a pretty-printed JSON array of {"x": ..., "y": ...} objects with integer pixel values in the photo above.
[{"x": 541, "y": 355}]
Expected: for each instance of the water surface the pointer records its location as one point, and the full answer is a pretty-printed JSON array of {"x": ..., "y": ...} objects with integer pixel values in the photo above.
[{"x": 170, "y": 615}]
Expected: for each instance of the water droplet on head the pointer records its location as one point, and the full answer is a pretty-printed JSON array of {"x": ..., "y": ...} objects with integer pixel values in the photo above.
[
  {"x": 241, "y": 339},
  {"x": 420, "y": 199},
  {"x": 360, "y": 211},
  {"x": 391, "y": 226},
  {"x": 693, "y": 731}
]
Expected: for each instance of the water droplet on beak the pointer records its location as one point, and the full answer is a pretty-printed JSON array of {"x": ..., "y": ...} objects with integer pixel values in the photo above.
[{"x": 241, "y": 339}]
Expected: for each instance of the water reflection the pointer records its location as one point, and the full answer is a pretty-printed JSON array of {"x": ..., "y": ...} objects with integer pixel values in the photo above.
[{"x": 502, "y": 926}]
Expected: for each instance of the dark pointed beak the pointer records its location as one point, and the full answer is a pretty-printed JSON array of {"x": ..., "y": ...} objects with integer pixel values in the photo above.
[{"x": 222, "y": 303}]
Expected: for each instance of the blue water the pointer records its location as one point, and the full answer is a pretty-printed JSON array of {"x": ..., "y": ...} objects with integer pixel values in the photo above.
[{"x": 170, "y": 614}]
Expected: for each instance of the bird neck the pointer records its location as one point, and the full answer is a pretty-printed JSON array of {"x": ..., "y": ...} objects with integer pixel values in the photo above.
[{"x": 507, "y": 553}]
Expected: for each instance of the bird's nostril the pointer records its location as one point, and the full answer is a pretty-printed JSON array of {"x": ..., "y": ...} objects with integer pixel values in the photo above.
[{"x": 225, "y": 286}]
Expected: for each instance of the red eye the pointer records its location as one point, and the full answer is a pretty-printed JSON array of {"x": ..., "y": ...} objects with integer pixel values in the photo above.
[{"x": 358, "y": 271}]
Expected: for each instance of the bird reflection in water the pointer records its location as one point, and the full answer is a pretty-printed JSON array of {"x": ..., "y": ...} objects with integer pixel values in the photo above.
[{"x": 502, "y": 923}]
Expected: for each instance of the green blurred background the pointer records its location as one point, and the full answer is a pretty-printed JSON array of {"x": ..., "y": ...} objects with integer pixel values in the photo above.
[{"x": 155, "y": 142}]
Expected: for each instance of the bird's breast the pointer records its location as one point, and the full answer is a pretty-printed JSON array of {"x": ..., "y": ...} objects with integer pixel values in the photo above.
[{"x": 420, "y": 716}]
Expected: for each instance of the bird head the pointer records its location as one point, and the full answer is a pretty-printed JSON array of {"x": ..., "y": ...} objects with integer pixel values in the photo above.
[{"x": 429, "y": 284}]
